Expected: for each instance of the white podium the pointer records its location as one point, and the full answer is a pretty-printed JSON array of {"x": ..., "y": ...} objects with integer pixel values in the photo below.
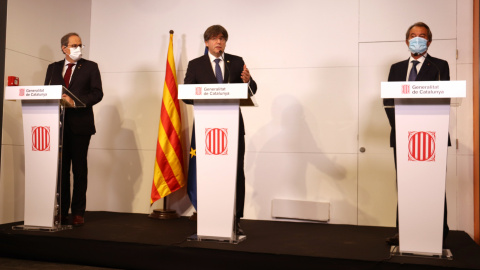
[
  {"x": 43, "y": 112},
  {"x": 422, "y": 111},
  {"x": 216, "y": 112}
]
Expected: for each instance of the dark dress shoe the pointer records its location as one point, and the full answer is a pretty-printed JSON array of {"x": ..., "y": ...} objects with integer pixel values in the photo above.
[
  {"x": 64, "y": 220},
  {"x": 78, "y": 220},
  {"x": 393, "y": 241},
  {"x": 238, "y": 229}
]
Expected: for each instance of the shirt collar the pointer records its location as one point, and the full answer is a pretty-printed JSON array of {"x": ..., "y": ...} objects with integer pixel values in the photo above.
[
  {"x": 66, "y": 62},
  {"x": 420, "y": 59},
  {"x": 212, "y": 57}
]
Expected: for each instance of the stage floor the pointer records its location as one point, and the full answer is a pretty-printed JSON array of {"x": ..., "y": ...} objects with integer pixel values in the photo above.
[{"x": 134, "y": 241}]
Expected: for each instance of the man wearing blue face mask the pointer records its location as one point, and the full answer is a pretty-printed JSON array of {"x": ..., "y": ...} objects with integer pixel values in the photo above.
[{"x": 420, "y": 66}]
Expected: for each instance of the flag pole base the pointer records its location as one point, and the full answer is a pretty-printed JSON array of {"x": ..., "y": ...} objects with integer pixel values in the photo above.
[{"x": 164, "y": 214}]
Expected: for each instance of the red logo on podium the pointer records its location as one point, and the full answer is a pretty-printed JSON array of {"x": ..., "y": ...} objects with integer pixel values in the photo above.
[
  {"x": 40, "y": 138},
  {"x": 198, "y": 91},
  {"x": 216, "y": 141},
  {"x": 405, "y": 89},
  {"x": 21, "y": 92},
  {"x": 421, "y": 146}
]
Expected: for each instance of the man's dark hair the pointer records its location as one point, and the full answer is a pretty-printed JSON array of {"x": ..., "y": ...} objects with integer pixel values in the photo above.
[
  {"x": 64, "y": 40},
  {"x": 419, "y": 24},
  {"x": 214, "y": 31}
]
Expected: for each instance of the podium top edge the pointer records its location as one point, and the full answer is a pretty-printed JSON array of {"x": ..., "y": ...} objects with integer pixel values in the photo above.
[
  {"x": 33, "y": 92},
  {"x": 424, "y": 89},
  {"x": 213, "y": 91}
]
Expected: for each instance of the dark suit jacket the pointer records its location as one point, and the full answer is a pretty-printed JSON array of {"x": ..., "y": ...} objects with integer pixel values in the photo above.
[
  {"x": 200, "y": 71},
  {"x": 86, "y": 84},
  {"x": 433, "y": 69}
]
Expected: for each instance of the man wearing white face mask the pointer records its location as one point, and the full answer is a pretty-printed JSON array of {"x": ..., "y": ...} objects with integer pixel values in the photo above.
[
  {"x": 82, "y": 78},
  {"x": 420, "y": 66}
]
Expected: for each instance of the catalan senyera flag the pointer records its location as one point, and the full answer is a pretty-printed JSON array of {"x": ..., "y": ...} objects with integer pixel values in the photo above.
[{"x": 169, "y": 176}]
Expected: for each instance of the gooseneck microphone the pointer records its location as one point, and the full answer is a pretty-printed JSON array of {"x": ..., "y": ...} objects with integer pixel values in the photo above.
[{"x": 226, "y": 65}]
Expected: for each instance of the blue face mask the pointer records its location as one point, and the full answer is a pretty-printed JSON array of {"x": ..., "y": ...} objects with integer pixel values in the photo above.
[{"x": 417, "y": 45}]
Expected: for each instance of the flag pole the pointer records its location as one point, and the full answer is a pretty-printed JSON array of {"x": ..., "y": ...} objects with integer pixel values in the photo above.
[{"x": 164, "y": 213}]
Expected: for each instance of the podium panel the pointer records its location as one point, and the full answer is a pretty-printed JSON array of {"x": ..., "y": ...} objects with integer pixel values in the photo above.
[
  {"x": 41, "y": 139},
  {"x": 422, "y": 138},
  {"x": 422, "y": 112},
  {"x": 216, "y": 131},
  {"x": 217, "y": 115}
]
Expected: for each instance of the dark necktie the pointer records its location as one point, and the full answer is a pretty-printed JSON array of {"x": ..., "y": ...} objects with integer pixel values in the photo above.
[
  {"x": 218, "y": 71},
  {"x": 413, "y": 71},
  {"x": 68, "y": 74}
]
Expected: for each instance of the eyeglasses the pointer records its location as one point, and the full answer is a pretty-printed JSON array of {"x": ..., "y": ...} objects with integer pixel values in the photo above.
[{"x": 76, "y": 46}]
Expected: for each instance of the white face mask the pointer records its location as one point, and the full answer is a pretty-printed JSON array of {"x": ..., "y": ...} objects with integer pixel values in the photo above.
[{"x": 76, "y": 54}]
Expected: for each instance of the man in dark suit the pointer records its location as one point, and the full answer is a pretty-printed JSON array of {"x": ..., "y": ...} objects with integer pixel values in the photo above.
[
  {"x": 82, "y": 78},
  {"x": 220, "y": 67},
  {"x": 419, "y": 67}
]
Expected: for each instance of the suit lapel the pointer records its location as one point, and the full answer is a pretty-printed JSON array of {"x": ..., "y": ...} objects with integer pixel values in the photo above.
[
  {"x": 58, "y": 73},
  {"x": 227, "y": 68},
  {"x": 207, "y": 67},
  {"x": 77, "y": 72},
  {"x": 403, "y": 70},
  {"x": 424, "y": 70}
]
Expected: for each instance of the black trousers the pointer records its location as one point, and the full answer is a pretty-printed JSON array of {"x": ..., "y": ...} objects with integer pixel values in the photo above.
[
  {"x": 74, "y": 156},
  {"x": 240, "y": 188},
  {"x": 446, "y": 229}
]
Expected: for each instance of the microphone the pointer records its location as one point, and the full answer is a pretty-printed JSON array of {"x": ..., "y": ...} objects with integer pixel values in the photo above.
[
  {"x": 226, "y": 65},
  {"x": 438, "y": 70},
  {"x": 228, "y": 69}
]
